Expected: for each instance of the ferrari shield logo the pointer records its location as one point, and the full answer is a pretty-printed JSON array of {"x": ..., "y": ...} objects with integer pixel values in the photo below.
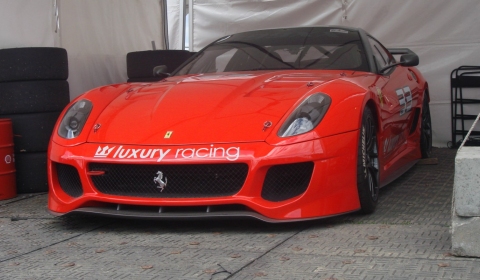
[{"x": 168, "y": 134}]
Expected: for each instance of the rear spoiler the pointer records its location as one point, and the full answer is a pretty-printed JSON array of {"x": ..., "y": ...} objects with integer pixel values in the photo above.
[{"x": 397, "y": 51}]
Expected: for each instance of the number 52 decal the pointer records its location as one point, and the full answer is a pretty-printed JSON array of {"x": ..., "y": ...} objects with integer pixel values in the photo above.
[{"x": 405, "y": 99}]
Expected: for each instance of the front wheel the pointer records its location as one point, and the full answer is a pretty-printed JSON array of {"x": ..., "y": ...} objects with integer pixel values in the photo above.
[{"x": 367, "y": 163}]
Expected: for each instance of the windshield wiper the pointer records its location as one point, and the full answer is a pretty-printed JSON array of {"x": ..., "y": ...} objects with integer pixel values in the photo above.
[{"x": 273, "y": 68}]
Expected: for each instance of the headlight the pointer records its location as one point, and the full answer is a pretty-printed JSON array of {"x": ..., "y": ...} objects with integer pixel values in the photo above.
[
  {"x": 75, "y": 118},
  {"x": 307, "y": 116}
]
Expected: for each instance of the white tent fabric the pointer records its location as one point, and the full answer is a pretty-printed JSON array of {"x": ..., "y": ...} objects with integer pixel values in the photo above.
[
  {"x": 96, "y": 34},
  {"x": 99, "y": 34},
  {"x": 175, "y": 24},
  {"x": 443, "y": 33},
  {"x": 26, "y": 23}
]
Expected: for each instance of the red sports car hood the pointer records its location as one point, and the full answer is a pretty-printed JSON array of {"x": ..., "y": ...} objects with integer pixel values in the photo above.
[{"x": 202, "y": 109}]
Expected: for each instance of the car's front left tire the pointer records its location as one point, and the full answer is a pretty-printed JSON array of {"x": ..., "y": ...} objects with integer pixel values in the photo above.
[{"x": 367, "y": 163}]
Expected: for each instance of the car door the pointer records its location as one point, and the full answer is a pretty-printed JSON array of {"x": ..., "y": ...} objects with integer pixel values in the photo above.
[{"x": 398, "y": 95}]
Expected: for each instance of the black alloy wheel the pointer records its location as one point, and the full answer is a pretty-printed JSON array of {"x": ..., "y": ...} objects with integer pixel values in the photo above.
[
  {"x": 368, "y": 164},
  {"x": 426, "y": 130}
]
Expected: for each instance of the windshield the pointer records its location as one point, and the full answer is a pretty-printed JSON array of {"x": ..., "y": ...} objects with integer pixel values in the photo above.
[{"x": 292, "y": 48}]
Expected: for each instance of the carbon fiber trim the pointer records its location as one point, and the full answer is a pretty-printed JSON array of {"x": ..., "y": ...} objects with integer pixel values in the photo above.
[{"x": 184, "y": 215}]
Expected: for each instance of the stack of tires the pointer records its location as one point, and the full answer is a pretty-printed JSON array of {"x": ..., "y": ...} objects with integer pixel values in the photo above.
[
  {"x": 140, "y": 64},
  {"x": 33, "y": 92}
]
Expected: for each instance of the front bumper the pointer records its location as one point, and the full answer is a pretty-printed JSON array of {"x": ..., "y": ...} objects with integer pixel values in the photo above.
[{"x": 331, "y": 189}]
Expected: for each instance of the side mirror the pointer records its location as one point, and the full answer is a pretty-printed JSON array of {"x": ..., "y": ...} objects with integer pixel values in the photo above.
[
  {"x": 409, "y": 60},
  {"x": 160, "y": 71}
]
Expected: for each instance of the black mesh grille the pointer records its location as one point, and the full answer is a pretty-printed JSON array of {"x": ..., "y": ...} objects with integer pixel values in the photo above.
[
  {"x": 286, "y": 181},
  {"x": 69, "y": 180},
  {"x": 182, "y": 181}
]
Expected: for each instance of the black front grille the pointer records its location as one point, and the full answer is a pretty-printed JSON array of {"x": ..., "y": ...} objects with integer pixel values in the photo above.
[
  {"x": 69, "y": 180},
  {"x": 286, "y": 181},
  {"x": 182, "y": 181}
]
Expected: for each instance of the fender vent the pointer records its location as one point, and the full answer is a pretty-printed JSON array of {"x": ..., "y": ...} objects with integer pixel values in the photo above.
[
  {"x": 286, "y": 181},
  {"x": 69, "y": 180},
  {"x": 415, "y": 120}
]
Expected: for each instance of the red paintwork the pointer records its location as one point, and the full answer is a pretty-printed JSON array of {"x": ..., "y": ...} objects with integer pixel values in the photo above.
[{"x": 229, "y": 110}]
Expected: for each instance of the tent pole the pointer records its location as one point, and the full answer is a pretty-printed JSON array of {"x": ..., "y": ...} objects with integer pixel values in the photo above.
[
  {"x": 165, "y": 23},
  {"x": 182, "y": 21},
  {"x": 190, "y": 23}
]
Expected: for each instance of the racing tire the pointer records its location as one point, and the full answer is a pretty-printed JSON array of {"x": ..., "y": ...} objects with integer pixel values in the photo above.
[
  {"x": 33, "y": 96},
  {"x": 39, "y": 63},
  {"x": 426, "y": 130},
  {"x": 31, "y": 132},
  {"x": 31, "y": 172},
  {"x": 368, "y": 163}
]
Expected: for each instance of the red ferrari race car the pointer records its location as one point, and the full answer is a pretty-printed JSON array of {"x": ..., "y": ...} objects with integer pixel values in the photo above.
[{"x": 280, "y": 125}]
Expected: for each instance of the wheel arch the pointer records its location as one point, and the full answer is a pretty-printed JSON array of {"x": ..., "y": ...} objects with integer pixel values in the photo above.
[
  {"x": 368, "y": 191},
  {"x": 373, "y": 107},
  {"x": 427, "y": 92}
]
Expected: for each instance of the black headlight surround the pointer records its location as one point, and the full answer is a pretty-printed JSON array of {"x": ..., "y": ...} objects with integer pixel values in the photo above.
[
  {"x": 74, "y": 119},
  {"x": 311, "y": 110}
]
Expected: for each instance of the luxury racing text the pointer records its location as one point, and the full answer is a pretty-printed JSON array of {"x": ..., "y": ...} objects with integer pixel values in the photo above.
[{"x": 230, "y": 153}]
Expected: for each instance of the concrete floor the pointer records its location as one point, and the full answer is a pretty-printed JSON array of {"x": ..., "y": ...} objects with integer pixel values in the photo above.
[{"x": 408, "y": 237}]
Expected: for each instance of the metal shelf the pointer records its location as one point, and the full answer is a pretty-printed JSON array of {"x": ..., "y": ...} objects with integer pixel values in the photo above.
[{"x": 462, "y": 78}]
